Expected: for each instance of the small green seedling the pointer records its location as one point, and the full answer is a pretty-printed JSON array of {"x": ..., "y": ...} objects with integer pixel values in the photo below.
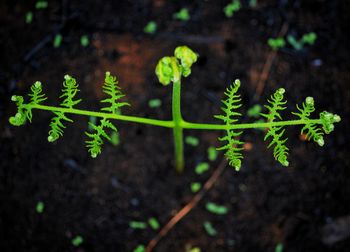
[
  {"x": 171, "y": 69},
  {"x": 140, "y": 248},
  {"x": 41, "y": 4},
  {"x": 308, "y": 38},
  {"x": 212, "y": 153},
  {"x": 84, "y": 41},
  {"x": 195, "y": 187},
  {"x": 40, "y": 206},
  {"x": 201, "y": 168},
  {"x": 232, "y": 8},
  {"x": 254, "y": 111},
  {"x": 57, "y": 41},
  {"x": 137, "y": 225},
  {"x": 154, "y": 103},
  {"x": 150, "y": 28},
  {"x": 182, "y": 15},
  {"x": 208, "y": 227},
  {"x": 29, "y": 17},
  {"x": 154, "y": 224},
  {"x": 77, "y": 241},
  {"x": 279, "y": 247},
  {"x": 191, "y": 140},
  {"x": 216, "y": 209},
  {"x": 276, "y": 43}
]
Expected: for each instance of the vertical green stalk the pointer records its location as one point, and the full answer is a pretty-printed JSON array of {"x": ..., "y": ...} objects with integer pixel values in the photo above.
[{"x": 177, "y": 130}]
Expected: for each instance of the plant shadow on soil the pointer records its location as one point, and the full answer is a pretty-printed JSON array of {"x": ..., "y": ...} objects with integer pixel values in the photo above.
[{"x": 97, "y": 198}]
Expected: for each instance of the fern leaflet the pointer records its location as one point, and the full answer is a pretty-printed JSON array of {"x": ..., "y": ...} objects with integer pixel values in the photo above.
[
  {"x": 70, "y": 89},
  {"x": 57, "y": 126},
  {"x": 280, "y": 150},
  {"x": 36, "y": 96},
  {"x": 96, "y": 142},
  {"x": 233, "y": 151},
  {"x": 23, "y": 112},
  {"x": 112, "y": 89},
  {"x": 310, "y": 129}
]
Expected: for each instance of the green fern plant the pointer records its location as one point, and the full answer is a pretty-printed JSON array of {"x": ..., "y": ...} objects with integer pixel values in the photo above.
[
  {"x": 232, "y": 146},
  {"x": 171, "y": 69}
]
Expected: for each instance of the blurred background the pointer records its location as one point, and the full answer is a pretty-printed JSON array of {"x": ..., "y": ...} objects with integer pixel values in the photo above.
[{"x": 55, "y": 197}]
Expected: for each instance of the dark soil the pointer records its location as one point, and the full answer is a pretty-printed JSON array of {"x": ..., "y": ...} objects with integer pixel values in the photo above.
[{"x": 97, "y": 198}]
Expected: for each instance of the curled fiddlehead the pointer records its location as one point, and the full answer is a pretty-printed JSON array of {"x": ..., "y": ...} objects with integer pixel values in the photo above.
[
  {"x": 24, "y": 111},
  {"x": 233, "y": 151},
  {"x": 280, "y": 150},
  {"x": 95, "y": 144},
  {"x": 310, "y": 129},
  {"x": 70, "y": 89},
  {"x": 170, "y": 69}
]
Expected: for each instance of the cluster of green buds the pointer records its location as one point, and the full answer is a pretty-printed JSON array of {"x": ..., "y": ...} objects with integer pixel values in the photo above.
[
  {"x": 328, "y": 120},
  {"x": 170, "y": 69},
  {"x": 20, "y": 117}
]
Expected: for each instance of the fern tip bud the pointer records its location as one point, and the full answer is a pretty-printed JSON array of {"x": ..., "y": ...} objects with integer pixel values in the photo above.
[
  {"x": 309, "y": 101},
  {"x": 281, "y": 91},
  {"x": 336, "y": 118},
  {"x": 320, "y": 141},
  {"x": 237, "y": 83},
  {"x": 37, "y": 84},
  {"x": 14, "y": 98}
]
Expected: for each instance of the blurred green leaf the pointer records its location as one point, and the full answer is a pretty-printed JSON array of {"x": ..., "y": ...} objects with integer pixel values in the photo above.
[
  {"x": 208, "y": 227},
  {"x": 191, "y": 140},
  {"x": 154, "y": 103},
  {"x": 77, "y": 241},
  {"x": 195, "y": 187},
  {"x": 201, "y": 168},
  {"x": 216, "y": 209},
  {"x": 40, "y": 206},
  {"x": 150, "y": 28}
]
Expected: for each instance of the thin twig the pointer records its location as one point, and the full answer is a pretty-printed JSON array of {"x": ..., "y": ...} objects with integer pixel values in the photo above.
[
  {"x": 188, "y": 207},
  {"x": 267, "y": 66}
]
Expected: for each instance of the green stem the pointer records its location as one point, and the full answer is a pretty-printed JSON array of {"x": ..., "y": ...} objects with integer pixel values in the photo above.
[
  {"x": 171, "y": 124},
  {"x": 155, "y": 122},
  {"x": 178, "y": 129}
]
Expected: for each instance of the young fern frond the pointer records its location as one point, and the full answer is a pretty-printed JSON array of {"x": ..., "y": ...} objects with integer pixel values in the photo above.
[
  {"x": 24, "y": 111},
  {"x": 233, "y": 151},
  {"x": 70, "y": 89},
  {"x": 310, "y": 129},
  {"x": 95, "y": 144},
  {"x": 36, "y": 97},
  {"x": 280, "y": 150},
  {"x": 112, "y": 89},
  {"x": 57, "y": 126},
  {"x": 171, "y": 70}
]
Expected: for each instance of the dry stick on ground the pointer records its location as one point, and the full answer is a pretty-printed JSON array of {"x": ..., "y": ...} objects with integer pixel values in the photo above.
[
  {"x": 267, "y": 66},
  {"x": 188, "y": 207}
]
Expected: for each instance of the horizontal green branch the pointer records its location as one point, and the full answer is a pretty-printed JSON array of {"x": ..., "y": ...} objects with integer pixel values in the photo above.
[
  {"x": 161, "y": 123},
  {"x": 170, "y": 124}
]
